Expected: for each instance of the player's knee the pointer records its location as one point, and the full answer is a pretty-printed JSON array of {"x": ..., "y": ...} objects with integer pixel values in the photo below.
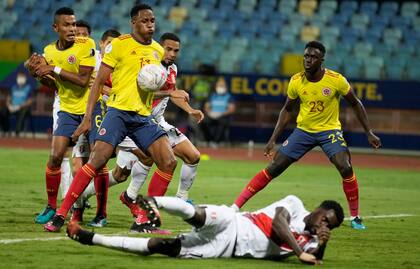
[
  {"x": 168, "y": 164},
  {"x": 193, "y": 158},
  {"x": 345, "y": 170},
  {"x": 55, "y": 160},
  {"x": 166, "y": 246},
  {"x": 147, "y": 161}
]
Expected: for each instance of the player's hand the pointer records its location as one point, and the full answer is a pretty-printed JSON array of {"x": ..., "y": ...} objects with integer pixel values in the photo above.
[
  {"x": 180, "y": 94},
  {"x": 197, "y": 114},
  {"x": 268, "y": 149},
  {"x": 83, "y": 128},
  {"x": 308, "y": 258},
  {"x": 32, "y": 63},
  {"x": 374, "y": 141},
  {"x": 323, "y": 234},
  {"x": 43, "y": 70}
]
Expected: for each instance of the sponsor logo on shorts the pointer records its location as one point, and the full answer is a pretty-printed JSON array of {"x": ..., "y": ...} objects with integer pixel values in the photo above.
[
  {"x": 326, "y": 91},
  {"x": 71, "y": 59},
  {"x": 102, "y": 131},
  {"x": 285, "y": 143}
]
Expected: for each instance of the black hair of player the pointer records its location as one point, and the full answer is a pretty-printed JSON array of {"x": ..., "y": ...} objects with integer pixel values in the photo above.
[
  {"x": 338, "y": 210},
  {"x": 63, "y": 11},
  {"x": 317, "y": 45},
  {"x": 169, "y": 36},
  {"x": 83, "y": 23},
  {"x": 135, "y": 10},
  {"x": 110, "y": 33}
]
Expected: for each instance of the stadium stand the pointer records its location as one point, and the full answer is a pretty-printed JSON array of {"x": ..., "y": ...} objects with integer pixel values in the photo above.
[{"x": 244, "y": 31}]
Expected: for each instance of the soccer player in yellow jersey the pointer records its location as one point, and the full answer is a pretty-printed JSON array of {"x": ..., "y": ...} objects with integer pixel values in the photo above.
[
  {"x": 128, "y": 113},
  {"x": 318, "y": 89},
  {"x": 70, "y": 64}
]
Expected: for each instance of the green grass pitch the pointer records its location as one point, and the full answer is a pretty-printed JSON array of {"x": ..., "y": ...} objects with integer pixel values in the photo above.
[{"x": 387, "y": 243}]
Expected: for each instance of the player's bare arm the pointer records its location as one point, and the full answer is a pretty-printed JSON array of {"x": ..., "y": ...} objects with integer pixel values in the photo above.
[
  {"x": 283, "y": 234},
  {"x": 98, "y": 84},
  {"x": 323, "y": 234},
  {"x": 181, "y": 94},
  {"x": 284, "y": 118},
  {"x": 184, "y": 105},
  {"x": 32, "y": 63},
  {"x": 361, "y": 114},
  {"x": 80, "y": 79}
]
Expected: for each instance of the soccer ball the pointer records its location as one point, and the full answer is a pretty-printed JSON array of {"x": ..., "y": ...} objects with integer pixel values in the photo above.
[{"x": 151, "y": 77}]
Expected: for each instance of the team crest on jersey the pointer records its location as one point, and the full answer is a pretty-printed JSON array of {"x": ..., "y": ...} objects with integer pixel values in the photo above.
[
  {"x": 156, "y": 55},
  {"x": 285, "y": 143},
  {"x": 71, "y": 59},
  {"x": 326, "y": 91},
  {"x": 102, "y": 131}
]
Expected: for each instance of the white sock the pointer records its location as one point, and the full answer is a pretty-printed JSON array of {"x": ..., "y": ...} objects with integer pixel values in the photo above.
[
  {"x": 123, "y": 243},
  {"x": 188, "y": 173},
  {"x": 66, "y": 177},
  {"x": 139, "y": 174},
  {"x": 175, "y": 206}
]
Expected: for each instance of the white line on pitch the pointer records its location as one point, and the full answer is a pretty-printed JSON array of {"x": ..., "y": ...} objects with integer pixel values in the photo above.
[{"x": 386, "y": 216}]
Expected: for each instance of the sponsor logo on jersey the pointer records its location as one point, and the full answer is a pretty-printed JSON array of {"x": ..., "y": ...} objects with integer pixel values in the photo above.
[
  {"x": 71, "y": 59},
  {"x": 156, "y": 55},
  {"x": 326, "y": 91},
  {"x": 133, "y": 53}
]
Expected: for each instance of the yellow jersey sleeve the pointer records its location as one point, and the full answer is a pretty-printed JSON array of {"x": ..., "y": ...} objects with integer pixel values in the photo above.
[
  {"x": 87, "y": 53},
  {"x": 343, "y": 86},
  {"x": 291, "y": 90},
  {"x": 112, "y": 55}
]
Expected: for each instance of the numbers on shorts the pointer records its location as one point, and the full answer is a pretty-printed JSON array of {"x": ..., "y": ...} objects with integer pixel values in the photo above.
[
  {"x": 316, "y": 106},
  {"x": 338, "y": 136},
  {"x": 98, "y": 120}
]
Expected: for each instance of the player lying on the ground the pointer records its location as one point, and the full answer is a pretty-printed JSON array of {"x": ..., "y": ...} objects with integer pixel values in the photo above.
[{"x": 277, "y": 231}]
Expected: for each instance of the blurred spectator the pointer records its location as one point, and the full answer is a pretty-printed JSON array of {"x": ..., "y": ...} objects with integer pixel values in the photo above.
[
  {"x": 200, "y": 92},
  {"x": 19, "y": 102},
  {"x": 218, "y": 109},
  {"x": 4, "y": 117}
]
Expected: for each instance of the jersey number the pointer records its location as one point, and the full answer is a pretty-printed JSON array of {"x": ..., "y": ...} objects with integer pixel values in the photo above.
[
  {"x": 338, "y": 136},
  {"x": 317, "y": 106},
  {"x": 98, "y": 121}
]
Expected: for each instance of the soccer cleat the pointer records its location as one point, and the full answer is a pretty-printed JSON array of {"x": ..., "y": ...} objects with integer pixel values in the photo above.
[
  {"x": 75, "y": 232},
  {"x": 356, "y": 223},
  {"x": 77, "y": 214},
  {"x": 147, "y": 227},
  {"x": 98, "y": 222},
  {"x": 55, "y": 224},
  {"x": 130, "y": 203},
  {"x": 152, "y": 213},
  {"x": 45, "y": 216},
  {"x": 190, "y": 201}
]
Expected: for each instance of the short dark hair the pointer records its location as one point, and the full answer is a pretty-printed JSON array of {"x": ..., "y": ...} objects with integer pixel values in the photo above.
[
  {"x": 63, "y": 11},
  {"x": 338, "y": 210},
  {"x": 110, "y": 33},
  {"x": 135, "y": 10},
  {"x": 83, "y": 23},
  {"x": 317, "y": 45},
  {"x": 170, "y": 36}
]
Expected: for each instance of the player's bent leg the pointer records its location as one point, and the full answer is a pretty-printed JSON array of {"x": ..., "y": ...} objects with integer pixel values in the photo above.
[
  {"x": 191, "y": 157},
  {"x": 162, "y": 154},
  {"x": 53, "y": 177}
]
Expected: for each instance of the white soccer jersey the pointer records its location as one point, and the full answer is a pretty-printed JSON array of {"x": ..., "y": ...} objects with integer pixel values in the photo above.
[{"x": 159, "y": 105}]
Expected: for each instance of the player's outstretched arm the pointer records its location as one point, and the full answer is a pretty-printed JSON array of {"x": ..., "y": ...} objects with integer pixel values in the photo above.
[
  {"x": 284, "y": 118},
  {"x": 102, "y": 76},
  {"x": 283, "y": 234},
  {"x": 184, "y": 105},
  {"x": 361, "y": 114}
]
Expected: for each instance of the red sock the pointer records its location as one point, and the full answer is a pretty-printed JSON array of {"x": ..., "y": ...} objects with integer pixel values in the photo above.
[
  {"x": 79, "y": 184},
  {"x": 101, "y": 182},
  {"x": 257, "y": 183},
  {"x": 351, "y": 190},
  {"x": 159, "y": 183},
  {"x": 52, "y": 178}
]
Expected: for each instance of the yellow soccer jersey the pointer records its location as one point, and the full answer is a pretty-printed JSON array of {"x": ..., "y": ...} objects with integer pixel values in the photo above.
[
  {"x": 73, "y": 98},
  {"x": 126, "y": 56},
  {"x": 319, "y": 101}
]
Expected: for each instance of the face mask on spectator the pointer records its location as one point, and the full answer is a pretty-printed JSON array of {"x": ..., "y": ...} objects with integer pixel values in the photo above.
[
  {"x": 220, "y": 90},
  {"x": 21, "y": 80}
]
